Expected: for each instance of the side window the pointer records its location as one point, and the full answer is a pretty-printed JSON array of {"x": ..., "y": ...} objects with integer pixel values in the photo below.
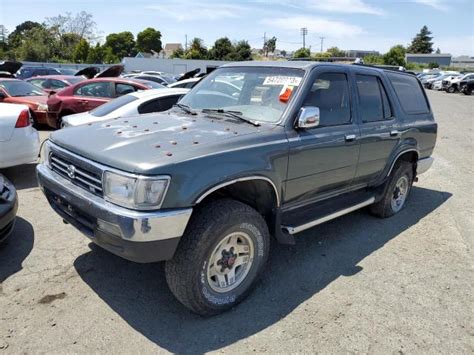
[
  {"x": 167, "y": 102},
  {"x": 330, "y": 92},
  {"x": 189, "y": 85},
  {"x": 98, "y": 89},
  {"x": 149, "y": 107},
  {"x": 409, "y": 92},
  {"x": 373, "y": 100},
  {"x": 57, "y": 84},
  {"x": 124, "y": 89},
  {"x": 38, "y": 82}
]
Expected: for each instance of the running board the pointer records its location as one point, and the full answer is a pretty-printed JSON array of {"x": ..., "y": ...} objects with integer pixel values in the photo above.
[{"x": 297, "y": 229}]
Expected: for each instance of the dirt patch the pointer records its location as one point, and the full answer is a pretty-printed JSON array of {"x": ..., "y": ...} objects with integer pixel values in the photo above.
[{"x": 51, "y": 298}]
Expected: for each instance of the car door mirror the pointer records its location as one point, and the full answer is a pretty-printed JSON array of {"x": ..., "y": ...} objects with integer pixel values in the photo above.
[{"x": 308, "y": 117}]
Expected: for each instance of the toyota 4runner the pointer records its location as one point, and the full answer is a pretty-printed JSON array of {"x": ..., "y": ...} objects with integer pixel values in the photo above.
[{"x": 254, "y": 152}]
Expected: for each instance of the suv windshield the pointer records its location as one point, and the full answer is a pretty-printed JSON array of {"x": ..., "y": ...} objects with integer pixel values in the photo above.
[
  {"x": 20, "y": 88},
  {"x": 260, "y": 94},
  {"x": 113, "y": 105}
]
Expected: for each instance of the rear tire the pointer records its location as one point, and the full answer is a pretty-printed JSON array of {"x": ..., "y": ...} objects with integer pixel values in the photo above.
[
  {"x": 220, "y": 257},
  {"x": 396, "y": 192},
  {"x": 451, "y": 90}
]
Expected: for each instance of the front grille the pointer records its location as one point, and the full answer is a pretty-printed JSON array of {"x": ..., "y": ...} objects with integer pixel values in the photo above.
[{"x": 77, "y": 174}]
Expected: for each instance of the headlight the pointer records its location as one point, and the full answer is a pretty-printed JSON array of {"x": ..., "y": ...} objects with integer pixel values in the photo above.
[
  {"x": 42, "y": 107},
  {"x": 45, "y": 153},
  {"x": 141, "y": 193}
]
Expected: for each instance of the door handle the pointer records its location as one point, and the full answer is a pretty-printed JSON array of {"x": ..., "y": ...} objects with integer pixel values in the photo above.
[
  {"x": 394, "y": 133},
  {"x": 350, "y": 137}
]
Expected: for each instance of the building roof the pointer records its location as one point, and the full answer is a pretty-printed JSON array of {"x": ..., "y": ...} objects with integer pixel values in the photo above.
[
  {"x": 172, "y": 46},
  {"x": 433, "y": 55}
]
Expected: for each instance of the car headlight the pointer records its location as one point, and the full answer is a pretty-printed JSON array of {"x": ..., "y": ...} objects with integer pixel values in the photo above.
[
  {"x": 45, "y": 153},
  {"x": 135, "y": 192},
  {"x": 42, "y": 107}
]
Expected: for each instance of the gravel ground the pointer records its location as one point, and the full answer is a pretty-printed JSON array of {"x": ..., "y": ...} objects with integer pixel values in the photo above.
[{"x": 355, "y": 284}]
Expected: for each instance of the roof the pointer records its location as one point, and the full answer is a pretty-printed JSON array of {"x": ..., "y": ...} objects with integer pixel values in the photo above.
[
  {"x": 433, "y": 55},
  {"x": 57, "y": 77},
  {"x": 296, "y": 64},
  {"x": 172, "y": 46}
]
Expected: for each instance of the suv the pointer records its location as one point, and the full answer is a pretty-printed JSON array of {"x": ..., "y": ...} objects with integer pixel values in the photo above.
[
  {"x": 205, "y": 185},
  {"x": 453, "y": 85}
]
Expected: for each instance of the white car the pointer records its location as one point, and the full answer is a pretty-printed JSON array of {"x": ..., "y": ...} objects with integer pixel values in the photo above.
[
  {"x": 438, "y": 84},
  {"x": 186, "y": 83},
  {"x": 136, "y": 103},
  {"x": 231, "y": 88},
  {"x": 19, "y": 141}
]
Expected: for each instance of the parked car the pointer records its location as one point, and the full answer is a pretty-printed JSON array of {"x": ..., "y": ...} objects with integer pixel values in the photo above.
[
  {"x": 89, "y": 94},
  {"x": 8, "y": 68},
  {"x": 137, "y": 103},
  {"x": 21, "y": 92},
  {"x": 156, "y": 78},
  {"x": 67, "y": 71},
  {"x": 29, "y": 71},
  {"x": 185, "y": 84},
  {"x": 428, "y": 83},
  {"x": 204, "y": 185},
  {"x": 53, "y": 83},
  {"x": 8, "y": 208},
  {"x": 467, "y": 86},
  {"x": 453, "y": 86},
  {"x": 19, "y": 141},
  {"x": 438, "y": 84}
]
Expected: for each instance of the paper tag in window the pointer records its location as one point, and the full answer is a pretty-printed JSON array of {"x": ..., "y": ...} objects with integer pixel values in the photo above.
[{"x": 282, "y": 80}]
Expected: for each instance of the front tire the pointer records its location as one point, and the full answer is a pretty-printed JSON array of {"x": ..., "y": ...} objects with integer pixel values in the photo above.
[
  {"x": 220, "y": 257},
  {"x": 451, "y": 89},
  {"x": 397, "y": 191}
]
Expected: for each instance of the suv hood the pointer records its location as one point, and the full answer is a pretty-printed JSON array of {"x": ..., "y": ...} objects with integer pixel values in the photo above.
[
  {"x": 111, "y": 72},
  {"x": 142, "y": 143},
  {"x": 10, "y": 66},
  {"x": 88, "y": 72}
]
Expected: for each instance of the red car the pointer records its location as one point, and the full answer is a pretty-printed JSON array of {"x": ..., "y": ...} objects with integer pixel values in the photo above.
[
  {"x": 89, "y": 94},
  {"x": 17, "y": 91},
  {"x": 53, "y": 83}
]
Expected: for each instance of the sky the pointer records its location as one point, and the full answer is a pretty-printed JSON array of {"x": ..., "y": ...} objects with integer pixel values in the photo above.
[{"x": 347, "y": 24}]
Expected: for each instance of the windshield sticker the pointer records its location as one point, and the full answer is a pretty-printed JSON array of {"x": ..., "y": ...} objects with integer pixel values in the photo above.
[{"x": 282, "y": 80}]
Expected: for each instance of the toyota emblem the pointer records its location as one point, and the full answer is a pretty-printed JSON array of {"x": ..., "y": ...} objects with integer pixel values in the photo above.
[{"x": 71, "y": 171}]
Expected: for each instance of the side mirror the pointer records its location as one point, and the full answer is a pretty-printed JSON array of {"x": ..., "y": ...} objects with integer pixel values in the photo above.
[{"x": 308, "y": 117}]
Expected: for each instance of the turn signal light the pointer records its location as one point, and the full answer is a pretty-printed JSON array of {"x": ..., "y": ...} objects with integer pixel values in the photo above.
[{"x": 23, "y": 119}]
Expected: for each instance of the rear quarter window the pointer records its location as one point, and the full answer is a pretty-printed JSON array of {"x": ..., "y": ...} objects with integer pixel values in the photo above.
[{"x": 409, "y": 93}]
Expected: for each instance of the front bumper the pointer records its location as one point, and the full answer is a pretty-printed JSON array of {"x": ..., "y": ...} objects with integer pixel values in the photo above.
[
  {"x": 136, "y": 236},
  {"x": 8, "y": 209},
  {"x": 423, "y": 165}
]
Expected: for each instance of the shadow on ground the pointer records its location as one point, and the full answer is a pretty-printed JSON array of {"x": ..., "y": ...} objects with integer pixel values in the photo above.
[
  {"x": 139, "y": 294},
  {"x": 22, "y": 176},
  {"x": 16, "y": 248}
]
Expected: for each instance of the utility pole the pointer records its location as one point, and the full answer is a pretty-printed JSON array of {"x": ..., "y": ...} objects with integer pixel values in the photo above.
[
  {"x": 322, "y": 41},
  {"x": 304, "y": 32},
  {"x": 186, "y": 42}
]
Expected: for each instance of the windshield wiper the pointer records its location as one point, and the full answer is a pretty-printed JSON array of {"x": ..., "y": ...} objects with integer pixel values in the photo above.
[
  {"x": 185, "y": 108},
  {"x": 235, "y": 114}
]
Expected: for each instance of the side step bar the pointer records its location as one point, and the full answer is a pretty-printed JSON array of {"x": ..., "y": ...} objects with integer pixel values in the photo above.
[{"x": 297, "y": 229}]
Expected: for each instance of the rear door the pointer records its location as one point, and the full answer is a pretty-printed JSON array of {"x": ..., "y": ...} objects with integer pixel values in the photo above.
[
  {"x": 323, "y": 160},
  {"x": 91, "y": 95},
  {"x": 379, "y": 128}
]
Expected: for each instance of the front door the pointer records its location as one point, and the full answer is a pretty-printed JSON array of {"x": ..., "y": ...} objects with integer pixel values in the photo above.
[{"x": 323, "y": 160}]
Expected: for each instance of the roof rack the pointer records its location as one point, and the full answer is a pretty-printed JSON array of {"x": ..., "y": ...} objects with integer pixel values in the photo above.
[{"x": 386, "y": 67}]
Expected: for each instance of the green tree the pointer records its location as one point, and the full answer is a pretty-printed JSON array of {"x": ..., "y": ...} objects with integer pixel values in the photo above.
[
  {"x": 196, "y": 50},
  {"x": 121, "y": 45},
  {"x": 95, "y": 55},
  {"x": 65, "y": 45},
  {"x": 422, "y": 42},
  {"x": 438, "y": 51},
  {"x": 335, "y": 52},
  {"x": 242, "y": 51},
  {"x": 36, "y": 45},
  {"x": 269, "y": 46},
  {"x": 221, "y": 50},
  {"x": 81, "y": 51},
  {"x": 433, "y": 65},
  {"x": 16, "y": 37},
  {"x": 109, "y": 56},
  {"x": 395, "y": 56},
  {"x": 373, "y": 59},
  {"x": 302, "y": 53},
  {"x": 81, "y": 24},
  {"x": 149, "y": 39},
  {"x": 177, "y": 53}
]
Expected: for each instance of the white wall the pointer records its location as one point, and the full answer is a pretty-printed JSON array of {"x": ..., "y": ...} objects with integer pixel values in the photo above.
[{"x": 172, "y": 66}]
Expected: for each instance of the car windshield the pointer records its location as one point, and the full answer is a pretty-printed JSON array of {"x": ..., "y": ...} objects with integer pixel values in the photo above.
[
  {"x": 21, "y": 88},
  {"x": 260, "y": 94},
  {"x": 112, "y": 105}
]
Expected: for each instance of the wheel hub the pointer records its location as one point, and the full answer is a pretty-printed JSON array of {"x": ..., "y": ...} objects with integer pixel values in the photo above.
[{"x": 228, "y": 259}]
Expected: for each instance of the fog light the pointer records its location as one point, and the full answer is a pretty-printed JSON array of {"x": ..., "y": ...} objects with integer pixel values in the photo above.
[{"x": 108, "y": 227}]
